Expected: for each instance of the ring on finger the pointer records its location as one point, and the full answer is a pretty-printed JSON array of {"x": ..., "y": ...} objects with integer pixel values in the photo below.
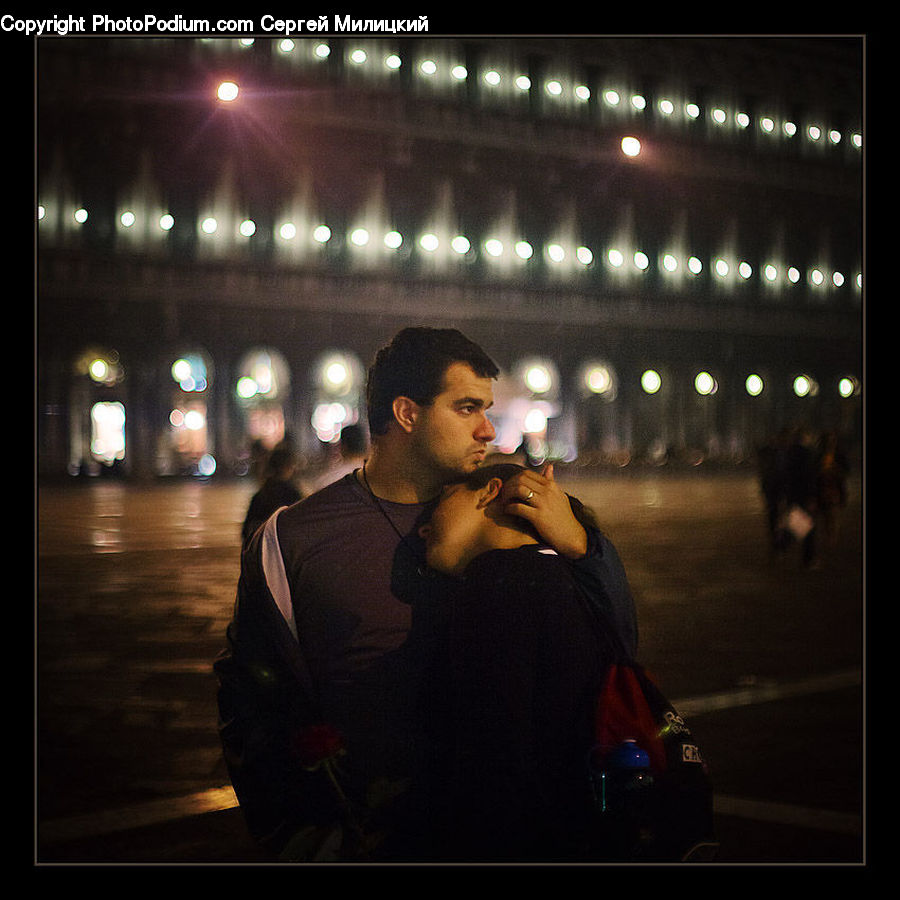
[{"x": 530, "y": 495}]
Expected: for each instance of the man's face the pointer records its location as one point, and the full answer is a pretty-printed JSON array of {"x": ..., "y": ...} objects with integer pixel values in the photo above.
[{"x": 453, "y": 432}]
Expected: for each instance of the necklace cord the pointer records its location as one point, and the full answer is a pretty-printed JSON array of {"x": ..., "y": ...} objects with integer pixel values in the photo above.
[{"x": 390, "y": 521}]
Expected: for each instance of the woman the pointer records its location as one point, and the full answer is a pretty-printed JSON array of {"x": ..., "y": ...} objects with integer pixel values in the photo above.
[{"x": 525, "y": 656}]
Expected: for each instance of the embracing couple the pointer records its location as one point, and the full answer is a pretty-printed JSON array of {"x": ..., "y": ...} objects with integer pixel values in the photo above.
[{"x": 413, "y": 654}]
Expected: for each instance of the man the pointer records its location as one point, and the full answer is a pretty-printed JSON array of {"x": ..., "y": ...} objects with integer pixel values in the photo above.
[{"x": 337, "y": 619}]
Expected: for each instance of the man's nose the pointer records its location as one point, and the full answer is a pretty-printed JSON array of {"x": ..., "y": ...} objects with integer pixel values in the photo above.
[{"x": 486, "y": 431}]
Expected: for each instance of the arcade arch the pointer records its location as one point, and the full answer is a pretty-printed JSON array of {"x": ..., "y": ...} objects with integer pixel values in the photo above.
[
  {"x": 262, "y": 387},
  {"x": 97, "y": 412},
  {"x": 187, "y": 445}
]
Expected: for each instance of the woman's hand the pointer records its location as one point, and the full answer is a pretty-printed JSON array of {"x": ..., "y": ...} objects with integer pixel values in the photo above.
[{"x": 537, "y": 498}]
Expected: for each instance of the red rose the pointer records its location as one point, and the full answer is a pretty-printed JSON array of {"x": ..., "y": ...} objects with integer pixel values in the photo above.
[{"x": 316, "y": 743}]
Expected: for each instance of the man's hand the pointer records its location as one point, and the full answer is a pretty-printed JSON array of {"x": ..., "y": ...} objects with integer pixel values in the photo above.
[{"x": 537, "y": 498}]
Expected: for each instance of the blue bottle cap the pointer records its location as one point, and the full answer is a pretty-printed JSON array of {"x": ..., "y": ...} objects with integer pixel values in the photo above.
[{"x": 629, "y": 756}]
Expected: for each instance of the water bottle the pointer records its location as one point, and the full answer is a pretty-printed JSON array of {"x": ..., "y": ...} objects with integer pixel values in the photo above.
[{"x": 623, "y": 784}]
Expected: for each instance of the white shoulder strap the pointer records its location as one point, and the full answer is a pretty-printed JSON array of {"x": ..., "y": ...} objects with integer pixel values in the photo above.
[{"x": 274, "y": 572}]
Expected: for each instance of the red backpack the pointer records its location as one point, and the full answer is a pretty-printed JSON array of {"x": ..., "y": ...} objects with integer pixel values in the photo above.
[{"x": 651, "y": 785}]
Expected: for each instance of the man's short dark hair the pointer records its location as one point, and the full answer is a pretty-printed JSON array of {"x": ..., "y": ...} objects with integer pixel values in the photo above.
[{"x": 413, "y": 365}]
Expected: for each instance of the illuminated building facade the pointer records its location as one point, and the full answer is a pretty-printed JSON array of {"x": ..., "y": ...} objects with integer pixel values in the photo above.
[{"x": 658, "y": 239}]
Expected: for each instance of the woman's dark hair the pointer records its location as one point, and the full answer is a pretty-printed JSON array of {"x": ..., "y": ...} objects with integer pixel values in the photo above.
[
  {"x": 505, "y": 470},
  {"x": 480, "y": 477},
  {"x": 413, "y": 365}
]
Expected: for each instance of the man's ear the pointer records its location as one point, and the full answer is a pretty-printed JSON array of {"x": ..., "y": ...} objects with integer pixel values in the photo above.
[
  {"x": 490, "y": 492},
  {"x": 406, "y": 412}
]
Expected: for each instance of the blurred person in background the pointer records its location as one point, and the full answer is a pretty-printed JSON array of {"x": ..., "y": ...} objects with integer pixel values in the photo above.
[
  {"x": 834, "y": 469},
  {"x": 278, "y": 489}
]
